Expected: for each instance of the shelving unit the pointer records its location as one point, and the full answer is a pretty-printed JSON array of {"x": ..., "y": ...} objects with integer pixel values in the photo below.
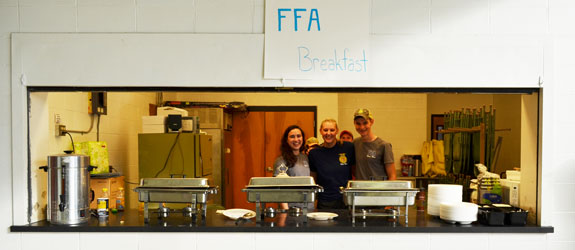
[{"x": 480, "y": 129}]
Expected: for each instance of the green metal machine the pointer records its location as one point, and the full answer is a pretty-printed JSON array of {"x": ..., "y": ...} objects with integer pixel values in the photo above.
[{"x": 174, "y": 155}]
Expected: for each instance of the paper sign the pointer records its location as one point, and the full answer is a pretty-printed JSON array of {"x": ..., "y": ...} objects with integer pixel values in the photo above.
[{"x": 317, "y": 39}]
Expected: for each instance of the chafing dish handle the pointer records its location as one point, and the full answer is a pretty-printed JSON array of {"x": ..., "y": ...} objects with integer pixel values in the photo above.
[{"x": 182, "y": 175}]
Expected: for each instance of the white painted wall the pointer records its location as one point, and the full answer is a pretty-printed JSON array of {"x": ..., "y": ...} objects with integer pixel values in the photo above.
[
  {"x": 435, "y": 43},
  {"x": 559, "y": 180}
]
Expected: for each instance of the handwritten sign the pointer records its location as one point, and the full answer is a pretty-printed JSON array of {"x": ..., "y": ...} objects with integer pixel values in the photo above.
[{"x": 317, "y": 39}]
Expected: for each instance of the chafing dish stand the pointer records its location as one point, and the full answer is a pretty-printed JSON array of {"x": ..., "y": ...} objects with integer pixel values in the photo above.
[
  {"x": 194, "y": 191},
  {"x": 379, "y": 194},
  {"x": 262, "y": 190}
]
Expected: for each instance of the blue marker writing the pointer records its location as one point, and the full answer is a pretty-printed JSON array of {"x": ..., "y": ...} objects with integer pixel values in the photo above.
[
  {"x": 312, "y": 18},
  {"x": 308, "y": 63},
  {"x": 280, "y": 16},
  {"x": 296, "y": 17}
]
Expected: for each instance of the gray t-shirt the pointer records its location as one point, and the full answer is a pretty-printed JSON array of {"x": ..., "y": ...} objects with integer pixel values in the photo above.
[
  {"x": 300, "y": 168},
  {"x": 370, "y": 159}
]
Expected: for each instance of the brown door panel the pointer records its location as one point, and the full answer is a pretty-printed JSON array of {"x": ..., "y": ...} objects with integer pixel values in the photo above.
[
  {"x": 256, "y": 140},
  {"x": 227, "y": 196},
  {"x": 275, "y": 124},
  {"x": 247, "y": 148}
]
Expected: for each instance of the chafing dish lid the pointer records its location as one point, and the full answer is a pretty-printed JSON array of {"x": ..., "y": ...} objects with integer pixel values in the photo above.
[
  {"x": 296, "y": 181},
  {"x": 174, "y": 183},
  {"x": 378, "y": 185}
]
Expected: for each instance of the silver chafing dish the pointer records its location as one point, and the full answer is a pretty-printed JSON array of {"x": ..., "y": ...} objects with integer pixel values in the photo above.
[
  {"x": 379, "y": 194},
  {"x": 297, "y": 189},
  {"x": 194, "y": 191}
]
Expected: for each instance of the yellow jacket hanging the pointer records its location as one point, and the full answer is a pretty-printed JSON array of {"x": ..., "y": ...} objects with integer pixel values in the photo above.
[{"x": 433, "y": 158}]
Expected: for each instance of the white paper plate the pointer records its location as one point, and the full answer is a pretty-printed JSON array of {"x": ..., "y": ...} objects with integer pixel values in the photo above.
[
  {"x": 236, "y": 213},
  {"x": 458, "y": 221},
  {"x": 321, "y": 215}
]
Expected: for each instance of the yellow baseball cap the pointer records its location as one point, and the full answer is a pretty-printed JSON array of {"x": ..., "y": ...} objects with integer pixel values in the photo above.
[
  {"x": 363, "y": 113},
  {"x": 311, "y": 141}
]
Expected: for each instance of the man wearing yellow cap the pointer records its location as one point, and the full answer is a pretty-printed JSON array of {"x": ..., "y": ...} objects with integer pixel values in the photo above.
[
  {"x": 374, "y": 156},
  {"x": 310, "y": 144}
]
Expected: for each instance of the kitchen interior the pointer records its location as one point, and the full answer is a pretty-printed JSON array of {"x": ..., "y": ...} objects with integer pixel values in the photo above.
[{"x": 402, "y": 118}]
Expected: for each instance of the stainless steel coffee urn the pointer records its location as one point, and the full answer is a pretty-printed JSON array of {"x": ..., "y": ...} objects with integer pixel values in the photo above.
[{"x": 68, "y": 188}]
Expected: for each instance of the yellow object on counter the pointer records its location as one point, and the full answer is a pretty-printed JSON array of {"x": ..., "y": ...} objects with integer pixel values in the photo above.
[
  {"x": 98, "y": 152},
  {"x": 433, "y": 158}
]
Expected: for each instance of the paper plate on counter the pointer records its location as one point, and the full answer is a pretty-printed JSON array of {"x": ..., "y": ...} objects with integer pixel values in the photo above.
[
  {"x": 236, "y": 213},
  {"x": 321, "y": 215}
]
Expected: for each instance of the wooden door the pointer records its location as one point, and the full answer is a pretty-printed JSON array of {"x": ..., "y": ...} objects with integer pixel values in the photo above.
[
  {"x": 247, "y": 148},
  {"x": 275, "y": 124},
  {"x": 227, "y": 197},
  {"x": 255, "y": 145}
]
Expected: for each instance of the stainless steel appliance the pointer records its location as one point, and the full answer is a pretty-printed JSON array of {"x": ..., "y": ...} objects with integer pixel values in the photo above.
[
  {"x": 379, "y": 194},
  {"x": 300, "y": 189},
  {"x": 194, "y": 191},
  {"x": 68, "y": 188}
]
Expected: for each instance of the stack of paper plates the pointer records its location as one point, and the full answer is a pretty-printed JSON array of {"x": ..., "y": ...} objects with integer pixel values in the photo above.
[
  {"x": 460, "y": 212},
  {"x": 440, "y": 193}
]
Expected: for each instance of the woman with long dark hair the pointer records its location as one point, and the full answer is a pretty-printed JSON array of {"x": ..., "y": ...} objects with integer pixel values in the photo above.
[{"x": 292, "y": 161}]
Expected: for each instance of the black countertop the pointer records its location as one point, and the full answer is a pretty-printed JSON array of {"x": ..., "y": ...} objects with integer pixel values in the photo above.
[{"x": 133, "y": 221}]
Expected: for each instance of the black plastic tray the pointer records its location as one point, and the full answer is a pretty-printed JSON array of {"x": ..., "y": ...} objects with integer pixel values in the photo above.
[{"x": 500, "y": 216}]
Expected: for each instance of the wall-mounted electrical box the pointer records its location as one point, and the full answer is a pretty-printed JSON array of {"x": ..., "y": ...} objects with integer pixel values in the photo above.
[{"x": 98, "y": 103}]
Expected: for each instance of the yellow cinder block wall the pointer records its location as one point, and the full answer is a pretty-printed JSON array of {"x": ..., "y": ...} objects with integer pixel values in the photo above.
[
  {"x": 399, "y": 118},
  {"x": 326, "y": 103},
  {"x": 119, "y": 128}
]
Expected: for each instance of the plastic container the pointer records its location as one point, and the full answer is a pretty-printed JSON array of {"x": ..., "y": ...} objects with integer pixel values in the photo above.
[
  {"x": 502, "y": 214},
  {"x": 120, "y": 200},
  {"x": 488, "y": 215},
  {"x": 489, "y": 191},
  {"x": 516, "y": 217},
  {"x": 407, "y": 165},
  {"x": 104, "y": 204}
]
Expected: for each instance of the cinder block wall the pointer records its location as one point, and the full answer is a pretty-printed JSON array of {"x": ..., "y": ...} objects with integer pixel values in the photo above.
[{"x": 445, "y": 20}]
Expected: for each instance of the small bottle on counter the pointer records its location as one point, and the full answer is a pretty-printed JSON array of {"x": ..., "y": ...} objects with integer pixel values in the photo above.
[
  {"x": 420, "y": 200},
  {"x": 103, "y": 203},
  {"x": 120, "y": 200}
]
